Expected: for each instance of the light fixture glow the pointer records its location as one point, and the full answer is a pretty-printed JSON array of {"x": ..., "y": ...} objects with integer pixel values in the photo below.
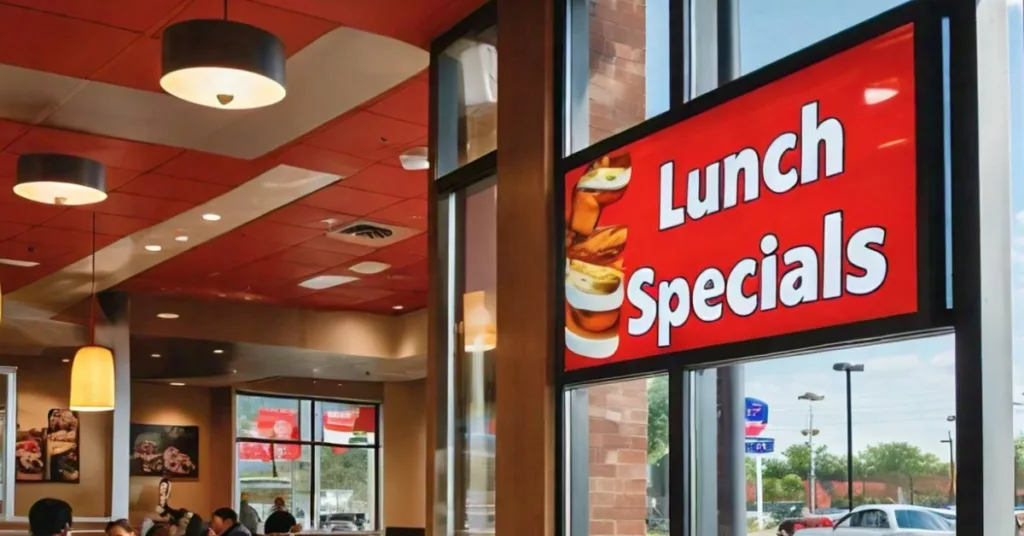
[
  {"x": 181, "y": 238},
  {"x": 60, "y": 179},
  {"x": 480, "y": 331},
  {"x": 414, "y": 159},
  {"x": 398, "y": 307},
  {"x": 218, "y": 351},
  {"x": 223, "y": 64},
  {"x": 210, "y": 216},
  {"x": 369, "y": 267},
  {"x": 154, "y": 248},
  {"x": 18, "y": 263},
  {"x": 321, "y": 282},
  {"x": 92, "y": 379},
  {"x": 167, "y": 316},
  {"x": 65, "y": 360},
  {"x": 177, "y": 384},
  {"x": 157, "y": 356},
  {"x": 876, "y": 95}
]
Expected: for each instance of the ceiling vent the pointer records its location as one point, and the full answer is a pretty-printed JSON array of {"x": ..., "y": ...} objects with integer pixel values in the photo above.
[{"x": 372, "y": 234}]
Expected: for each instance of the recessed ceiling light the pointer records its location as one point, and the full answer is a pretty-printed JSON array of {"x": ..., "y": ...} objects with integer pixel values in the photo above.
[
  {"x": 154, "y": 247},
  {"x": 65, "y": 360},
  {"x": 177, "y": 384},
  {"x": 321, "y": 282},
  {"x": 210, "y": 216},
  {"x": 167, "y": 316},
  {"x": 155, "y": 355},
  {"x": 19, "y": 264},
  {"x": 233, "y": 371},
  {"x": 369, "y": 267},
  {"x": 181, "y": 238},
  {"x": 414, "y": 159},
  {"x": 218, "y": 351},
  {"x": 398, "y": 307}
]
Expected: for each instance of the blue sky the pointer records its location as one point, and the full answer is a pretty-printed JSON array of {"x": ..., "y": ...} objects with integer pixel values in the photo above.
[{"x": 907, "y": 389}]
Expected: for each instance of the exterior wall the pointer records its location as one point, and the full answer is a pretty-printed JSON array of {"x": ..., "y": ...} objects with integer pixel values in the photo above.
[
  {"x": 617, "y": 66},
  {"x": 618, "y": 458}
]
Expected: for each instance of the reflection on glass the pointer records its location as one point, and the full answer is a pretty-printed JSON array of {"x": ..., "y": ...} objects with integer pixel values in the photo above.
[
  {"x": 467, "y": 100},
  {"x": 345, "y": 424},
  {"x": 618, "y": 458},
  {"x": 269, "y": 418},
  {"x": 618, "y": 69},
  {"x": 266, "y": 472},
  {"x": 475, "y": 396},
  {"x": 1016, "y": 60},
  {"x": 787, "y": 420},
  {"x": 345, "y": 485}
]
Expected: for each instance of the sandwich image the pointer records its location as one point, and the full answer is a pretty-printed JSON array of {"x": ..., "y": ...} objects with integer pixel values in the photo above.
[
  {"x": 603, "y": 183},
  {"x": 593, "y": 299},
  {"x": 604, "y": 247}
]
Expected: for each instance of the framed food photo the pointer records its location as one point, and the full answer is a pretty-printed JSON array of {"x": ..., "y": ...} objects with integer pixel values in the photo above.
[
  {"x": 50, "y": 453},
  {"x": 160, "y": 450}
]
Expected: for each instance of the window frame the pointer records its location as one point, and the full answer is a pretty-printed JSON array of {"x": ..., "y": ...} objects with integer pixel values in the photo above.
[{"x": 315, "y": 445}]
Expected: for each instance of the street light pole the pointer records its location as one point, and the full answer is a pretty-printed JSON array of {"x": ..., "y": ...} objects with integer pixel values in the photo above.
[
  {"x": 952, "y": 460},
  {"x": 849, "y": 368},
  {"x": 810, "y": 432}
]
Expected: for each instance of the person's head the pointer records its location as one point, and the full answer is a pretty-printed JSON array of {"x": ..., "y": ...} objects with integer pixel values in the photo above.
[
  {"x": 283, "y": 430},
  {"x": 223, "y": 519},
  {"x": 119, "y": 527},
  {"x": 245, "y": 496},
  {"x": 49, "y": 517},
  {"x": 278, "y": 503}
]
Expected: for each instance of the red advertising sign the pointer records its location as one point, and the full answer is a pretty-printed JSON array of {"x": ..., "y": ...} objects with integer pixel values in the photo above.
[
  {"x": 273, "y": 423},
  {"x": 790, "y": 208}
]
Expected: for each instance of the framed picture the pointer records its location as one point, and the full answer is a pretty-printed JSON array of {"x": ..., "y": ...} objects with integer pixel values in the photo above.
[
  {"x": 159, "y": 450},
  {"x": 50, "y": 453}
]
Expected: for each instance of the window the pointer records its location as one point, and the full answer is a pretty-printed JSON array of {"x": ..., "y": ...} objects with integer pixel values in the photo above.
[
  {"x": 467, "y": 100},
  {"x": 320, "y": 456},
  {"x": 916, "y": 519},
  {"x": 618, "y": 458},
  {"x": 870, "y": 519},
  {"x": 1016, "y": 65},
  {"x": 617, "y": 67}
]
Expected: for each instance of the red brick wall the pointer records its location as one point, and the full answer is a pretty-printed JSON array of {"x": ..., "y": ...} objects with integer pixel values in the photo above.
[
  {"x": 617, "y": 65},
  {"x": 618, "y": 458}
]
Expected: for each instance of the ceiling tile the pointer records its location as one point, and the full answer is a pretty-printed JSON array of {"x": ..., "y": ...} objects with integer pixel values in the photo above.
[
  {"x": 9, "y": 130},
  {"x": 127, "y": 14},
  {"x": 24, "y": 251},
  {"x": 212, "y": 168},
  {"x": 367, "y": 135},
  {"x": 125, "y": 154},
  {"x": 324, "y": 243},
  {"x": 380, "y": 16},
  {"x": 167, "y": 187},
  {"x": 414, "y": 245},
  {"x": 81, "y": 219},
  {"x": 137, "y": 206},
  {"x": 288, "y": 235},
  {"x": 395, "y": 256},
  {"x": 57, "y": 44},
  {"x": 409, "y": 213},
  {"x": 138, "y": 66},
  {"x": 410, "y": 103},
  {"x": 317, "y": 159},
  {"x": 70, "y": 239},
  {"x": 21, "y": 211},
  {"x": 390, "y": 180},
  {"x": 315, "y": 257},
  {"x": 8, "y": 230},
  {"x": 304, "y": 216},
  {"x": 264, "y": 272},
  {"x": 348, "y": 200}
]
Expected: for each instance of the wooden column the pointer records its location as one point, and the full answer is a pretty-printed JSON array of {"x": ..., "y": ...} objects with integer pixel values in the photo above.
[{"x": 525, "y": 455}]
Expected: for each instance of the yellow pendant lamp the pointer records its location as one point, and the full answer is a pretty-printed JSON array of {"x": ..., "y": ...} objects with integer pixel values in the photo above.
[
  {"x": 92, "y": 373},
  {"x": 480, "y": 331}
]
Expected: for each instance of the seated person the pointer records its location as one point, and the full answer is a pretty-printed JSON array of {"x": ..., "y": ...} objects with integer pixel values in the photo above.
[
  {"x": 281, "y": 522},
  {"x": 50, "y": 517},
  {"x": 224, "y": 522},
  {"x": 120, "y": 527}
]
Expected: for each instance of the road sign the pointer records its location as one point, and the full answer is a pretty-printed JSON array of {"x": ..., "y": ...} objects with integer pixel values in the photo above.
[
  {"x": 756, "y": 416},
  {"x": 760, "y": 445}
]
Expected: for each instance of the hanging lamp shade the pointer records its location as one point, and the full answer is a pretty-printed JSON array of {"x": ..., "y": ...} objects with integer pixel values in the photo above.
[
  {"x": 60, "y": 179},
  {"x": 223, "y": 64},
  {"x": 92, "y": 379},
  {"x": 480, "y": 331}
]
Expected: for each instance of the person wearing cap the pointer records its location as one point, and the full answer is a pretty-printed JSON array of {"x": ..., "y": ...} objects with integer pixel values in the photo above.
[{"x": 248, "y": 516}]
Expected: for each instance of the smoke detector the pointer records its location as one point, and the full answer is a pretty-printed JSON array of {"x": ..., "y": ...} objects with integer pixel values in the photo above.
[
  {"x": 372, "y": 234},
  {"x": 414, "y": 159}
]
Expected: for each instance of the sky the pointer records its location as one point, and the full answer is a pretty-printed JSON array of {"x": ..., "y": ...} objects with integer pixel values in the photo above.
[{"x": 906, "y": 392}]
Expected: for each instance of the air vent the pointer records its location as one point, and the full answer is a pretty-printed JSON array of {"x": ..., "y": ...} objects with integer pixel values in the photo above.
[{"x": 371, "y": 233}]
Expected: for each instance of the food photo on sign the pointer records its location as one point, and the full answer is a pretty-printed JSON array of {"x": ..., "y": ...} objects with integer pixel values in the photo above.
[
  {"x": 273, "y": 424},
  {"x": 160, "y": 450},
  {"x": 49, "y": 454},
  {"x": 790, "y": 208}
]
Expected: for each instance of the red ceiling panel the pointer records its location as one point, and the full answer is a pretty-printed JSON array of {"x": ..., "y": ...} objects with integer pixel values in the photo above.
[
  {"x": 325, "y": 243},
  {"x": 167, "y": 187},
  {"x": 410, "y": 103},
  {"x": 323, "y": 300},
  {"x": 21, "y": 211},
  {"x": 409, "y": 213},
  {"x": 134, "y": 15},
  {"x": 397, "y": 257},
  {"x": 389, "y": 180},
  {"x": 81, "y": 220},
  {"x": 55, "y": 43},
  {"x": 317, "y": 159},
  {"x": 266, "y": 272},
  {"x": 68, "y": 239},
  {"x": 137, "y": 206},
  {"x": 113, "y": 152},
  {"x": 138, "y": 66},
  {"x": 361, "y": 294},
  {"x": 9, "y": 130},
  {"x": 288, "y": 235},
  {"x": 24, "y": 251},
  {"x": 213, "y": 168},
  {"x": 315, "y": 257},
  {"x": 367, "y": 135},
  {"x": 414, "y": 245},
  {"x": 305, "y": 216},
  {"x": 386, "y": 17},
  {"x": 8, "y": 230},
  {"x": 348, "y": 200}
]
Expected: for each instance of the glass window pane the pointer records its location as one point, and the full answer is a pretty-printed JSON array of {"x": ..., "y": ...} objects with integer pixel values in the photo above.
[
  {"x": 903, "y": 439},
  {"x": 347, "y": 488},
  {"x": 475, "y": 396},
  {"x": 773, "y": 29},
  {"x": 346, "y": 424},
  {"x": 1016, "y": 65},
  {"x": 467, "y": 94},
  {"x": 271, "y": 418},
  {"x": 618, "y": 458},
  {"x": 617, "y": 68},
  {"x": 268, "y": 471}
]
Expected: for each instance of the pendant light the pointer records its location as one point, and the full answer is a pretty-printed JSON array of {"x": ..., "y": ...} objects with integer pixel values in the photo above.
[
  {"x": 92, "y": 373},
  {"x": 480, "y": 331},
  {"x": 60, "y": 179},
  {"x": 223, "y": 64}
]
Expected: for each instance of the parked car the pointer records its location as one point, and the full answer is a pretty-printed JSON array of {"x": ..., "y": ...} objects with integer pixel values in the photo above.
[{"x": 885, "y": 520}]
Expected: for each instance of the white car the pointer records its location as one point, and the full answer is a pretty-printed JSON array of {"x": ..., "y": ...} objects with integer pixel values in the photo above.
[{"x": 885, "y": 520}]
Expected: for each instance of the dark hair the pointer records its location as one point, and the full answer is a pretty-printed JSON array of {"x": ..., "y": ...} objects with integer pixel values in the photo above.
[
  {"x": 226, "y": 514},
  {"x": 123, "y": 523},
  {"x": 280, "y": 522},
  {"x": 48, "y": 517}
]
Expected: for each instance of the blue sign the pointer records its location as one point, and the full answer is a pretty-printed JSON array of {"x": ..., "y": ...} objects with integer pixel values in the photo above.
[
  {"x": 757, "y": 410},
  {"x": 760, "y": 445}
]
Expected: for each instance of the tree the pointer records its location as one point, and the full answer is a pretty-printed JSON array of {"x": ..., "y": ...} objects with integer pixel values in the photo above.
[
  {"x": 657, "y": 418},
  {"x": 793, "y": 487},
  {"x": 902, "y": 459},
  {"x": 827, "y": 466}
]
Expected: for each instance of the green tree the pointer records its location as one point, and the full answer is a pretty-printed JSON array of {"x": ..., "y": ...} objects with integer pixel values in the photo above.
[
  {"x": 775, "y": 468},
  {"x": 903, "y": 459},
  {"x": 657, "y": 418},
  {"x": 772, "y": 489},
  {"x": 827, "y": 466},
  {"x": 792, "y": 487},
  {"x": 349, "y": 470}
]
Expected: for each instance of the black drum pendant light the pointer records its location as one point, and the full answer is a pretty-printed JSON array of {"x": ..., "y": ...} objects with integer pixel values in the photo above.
[
  {"x": 60, "y": 179},
  {"x": 223, "y": 64}
]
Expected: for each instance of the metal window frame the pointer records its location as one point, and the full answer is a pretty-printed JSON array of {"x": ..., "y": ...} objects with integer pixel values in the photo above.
[
  {"x": 977, "y": 270},
  {"x": 314, "y": 445}
]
